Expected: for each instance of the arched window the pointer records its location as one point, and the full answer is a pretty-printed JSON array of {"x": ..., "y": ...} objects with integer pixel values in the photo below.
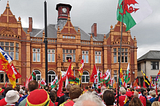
[
  {"x": 85, "y": 77},
  {"x": 38, "y": 75},
  {"x": 51, "y": 76}
]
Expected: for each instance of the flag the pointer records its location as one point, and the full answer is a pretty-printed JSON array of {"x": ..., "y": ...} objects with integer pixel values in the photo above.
[
  {"x": 5, "y": 54},
  {"x": 5, "y": 66},
  {"x": 5, "y": 84},
  {"x": 145, "y": 79},
  {"x": 73, "y": 80},
  {"x": 33, "y": 75},
  {"x": 69, "y": 71},
  {"x": 133, "y": 11},
  {"x": 17, "y": 74},
  {"x": 60, "y": 87},
  {"x": 151, "y": 84},
  {"x": 11, "y": 76},
  {"x": 94, "y": 72},
  {"x": 27, "y": 81},
  {"x": 54, "y": 83},
  {"x": 128, "y": 75},
  {"x": 81, "y": 68},
  {"x": 144, "y": 84},
  {"x": 42, "y": 83},
  {"x": 121, "y": 77},
  {"x": 107, "y": 76},
  {"x": 135, "y": 82}
]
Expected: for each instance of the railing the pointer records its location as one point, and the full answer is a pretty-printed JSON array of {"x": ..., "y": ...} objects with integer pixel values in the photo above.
[
  {"x": 50, "y": 40},
  {"x": 35, "y": 39},
  {"x": 97, "y": 43},
  {"x": 85, "y": 42}
]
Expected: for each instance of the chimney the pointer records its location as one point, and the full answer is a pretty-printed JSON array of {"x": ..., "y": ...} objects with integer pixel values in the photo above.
[
  {"x": 94, "y": 29},
  {"x": 30, "y": 24}
]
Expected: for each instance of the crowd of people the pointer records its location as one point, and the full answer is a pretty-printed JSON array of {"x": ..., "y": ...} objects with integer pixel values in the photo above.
[{"x": 74, "y": 95}]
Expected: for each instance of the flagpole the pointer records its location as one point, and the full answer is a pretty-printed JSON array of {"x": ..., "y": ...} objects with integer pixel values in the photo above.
[
  {"x": 45, "y": 41},
  {"x": 120, "y": 55}
]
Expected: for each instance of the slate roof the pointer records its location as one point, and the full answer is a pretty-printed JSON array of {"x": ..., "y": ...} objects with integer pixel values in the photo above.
[
  {"x": 151, "y": 55},
  {"x": 34, "y": 31},
  {"x": 52, "y": 33}
]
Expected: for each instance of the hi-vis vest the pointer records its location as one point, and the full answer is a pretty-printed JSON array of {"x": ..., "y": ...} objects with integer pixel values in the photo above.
[{"x": 67, "y": 103}]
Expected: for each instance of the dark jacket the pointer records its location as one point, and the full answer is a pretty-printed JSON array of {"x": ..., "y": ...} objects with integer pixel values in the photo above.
[{"x": 63, "y": 98}]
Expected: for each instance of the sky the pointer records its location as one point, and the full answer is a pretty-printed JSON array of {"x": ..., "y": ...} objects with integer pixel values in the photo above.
[{"x": 86, "y": 12}]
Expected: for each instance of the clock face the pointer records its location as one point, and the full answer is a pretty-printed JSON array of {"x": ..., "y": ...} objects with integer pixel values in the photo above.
[{"x": 64, "y": 10}]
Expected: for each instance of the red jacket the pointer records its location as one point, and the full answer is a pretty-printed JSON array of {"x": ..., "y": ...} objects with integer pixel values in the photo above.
[
  {"x": 121, "y": 100},
  {"x": 143, "y": 100}
]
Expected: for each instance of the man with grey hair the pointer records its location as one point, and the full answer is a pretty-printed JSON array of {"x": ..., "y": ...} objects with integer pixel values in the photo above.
[
  {"x": 122, "y": 97},
  {"x": 89, "y": 99}
]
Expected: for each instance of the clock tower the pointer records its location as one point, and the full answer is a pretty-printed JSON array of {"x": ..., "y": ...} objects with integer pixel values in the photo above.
[{"x": 63, "y": 12}]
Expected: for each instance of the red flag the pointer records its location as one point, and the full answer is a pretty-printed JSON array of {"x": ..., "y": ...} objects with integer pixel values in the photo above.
[
  {"x": 5, "y": 84},
  {"x": 69, "y": 71},
  {"x": 94, "y": 72},
  {"x": 17, "y": 74},
  {"x": 144, "y": 85},
  {"x": 60, "y": 87}
]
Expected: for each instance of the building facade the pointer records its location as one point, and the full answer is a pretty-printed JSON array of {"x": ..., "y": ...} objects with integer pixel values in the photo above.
[
  {"x": 66, "y": 43},
  {"x": 149, "y": 63}
]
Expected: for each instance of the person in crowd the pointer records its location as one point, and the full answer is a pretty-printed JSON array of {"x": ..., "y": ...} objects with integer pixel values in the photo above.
[
  {"x": 158, "y": 97},
  {"x": 156, "y": 103},
  {"x": 74, "y": 92},
  {"x": 38, "y": 97},
  {"x": 89, "y": 99},
  {"x": 153, "y": 94},
  {"x": 65, "y": 97},
  {"x": 21, "y": 93},
  {"x": 129, "y": 97},
  {"x": 53, "y": 97},
  {"x": 23, "y": 97},
  {"x": 108, "y": 97},
  {"x": 10, "y": 99},
  {"x": 149, "y": 96},
  {"x": 137, "y": 93},
  {"x": 135, "y": 102},
  {"x": 122, "y": 97},
  {"x": 32, "y": 85}
]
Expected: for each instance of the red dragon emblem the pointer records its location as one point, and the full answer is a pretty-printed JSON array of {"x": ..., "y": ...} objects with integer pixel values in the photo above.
[{"x": 128, "y": 7}]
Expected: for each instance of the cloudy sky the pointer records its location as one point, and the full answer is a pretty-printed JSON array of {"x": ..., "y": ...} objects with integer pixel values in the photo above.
[{"x": 86, "y": 12}]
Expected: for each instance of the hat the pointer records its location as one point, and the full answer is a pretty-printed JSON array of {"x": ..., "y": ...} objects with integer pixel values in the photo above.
[
  {"x": 39, "y": 97},
  {"x": 129, "y": 93},
  {"x": 138, "y": 87},
  {"x": 12, "y": 96}
]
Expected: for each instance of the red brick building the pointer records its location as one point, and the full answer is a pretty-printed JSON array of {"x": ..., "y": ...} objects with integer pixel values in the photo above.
[{"x": 65, "y": 41}]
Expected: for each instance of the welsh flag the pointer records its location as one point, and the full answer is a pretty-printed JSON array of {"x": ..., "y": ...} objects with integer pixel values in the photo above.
[
  {"x": 134, "y": 11},
  {"x": 107, "y": 76},
  {"x": 42, "y": 83},
  {"x": 54, "y": 83},
  {"x": 127, "y": 76}
]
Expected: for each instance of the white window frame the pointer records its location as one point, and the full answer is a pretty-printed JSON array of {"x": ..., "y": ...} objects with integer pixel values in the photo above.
[
  {"x": 85, "y": 76},
  {"x": 52, "y": 75}
]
